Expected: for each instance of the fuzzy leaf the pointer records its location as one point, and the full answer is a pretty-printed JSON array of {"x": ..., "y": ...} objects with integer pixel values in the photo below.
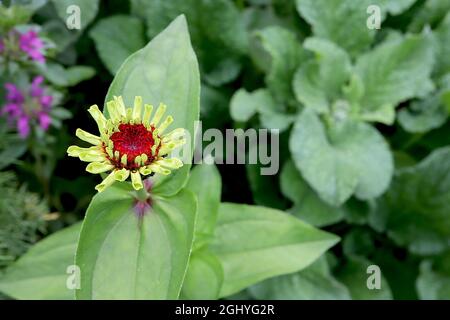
[
  {"x": 117, "y": 37},
  {"x": 348, "y": 158},
  {"x": 41, "y": 273},
  {"x": 122, "y": 256}
]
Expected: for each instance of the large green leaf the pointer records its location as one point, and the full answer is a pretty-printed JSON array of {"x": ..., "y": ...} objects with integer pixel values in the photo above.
[
  {"x": 205, "y": 182},
  {"x": 255, "y": 243},
  {"x": 307, "y": 204},
  {"x": 204, "y": 277},
  {"x": 42, "y": 272},
  {"x": 341, "y": 160},
  {"x": 88, "y": 9},
  {"x": 341, "y": 21},
  {"x": 423, "y": 115},
  {"x": 122, "y": 256},
  {"x": 391, "y": 74},
  {"x": 287, "y": 54},
  {"x": 319, "y": 82},
  {"x": 117, "y": 37},
  {"x": 272, "y": 114},
  {"x": 217, "y": 30},
  {"x": 66, "y": 77},
  {"x": 313, "y": 283},
  {"x": 166, "y": 71},
  {"x": 417, "y": 205}
]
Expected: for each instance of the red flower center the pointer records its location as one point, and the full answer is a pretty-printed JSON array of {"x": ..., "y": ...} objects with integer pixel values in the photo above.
[{"x": 132, "y": 140}]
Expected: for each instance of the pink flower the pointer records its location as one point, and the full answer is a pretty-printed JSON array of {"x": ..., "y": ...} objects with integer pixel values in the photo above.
[
  {"x": 13, "y": 93},
  {"x": 44, "y": 121},
  {"x": 23, "y": 126},
  {"x": 35, "y": 89},
  {"x": 23, "y": 110},
  {"x": 31, "y": 44}
]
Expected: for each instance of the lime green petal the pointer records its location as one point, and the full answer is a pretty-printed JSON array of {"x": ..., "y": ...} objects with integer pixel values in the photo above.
[
  {"x": 168, "y": 147},
  {"x": 89, "y": 157},
  {"x": 120, "y": 106},
  {"x": 109, "y": 180},
  {"x": 148, "y": 108},
  {"x": 145, "y": 171},
  {"x": 75, "y": 151},
  {"x": 123, "y": 160},
  {"x": 173, "y": 135},
  {"x": 88, "y": 137},
  {"x": 122, "y": 174},
  {"x": 158, "y": 114},
  {"x": 98, "y": 117},
  {"x": 99, "y": 167},
  {"x": 129, "y": 114},
  {"x": 165, "y": 124},
  {"x": 158, "y": 169},
  {"x": 136, "y": 180},
  {"x": 137, "y": 109},
  {"x": 171, "y": 163},
  {"x": 112, "y": 110}
]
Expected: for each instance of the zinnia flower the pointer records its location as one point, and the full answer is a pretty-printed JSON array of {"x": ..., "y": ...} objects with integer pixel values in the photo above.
[{"x": 129, "y": 144}]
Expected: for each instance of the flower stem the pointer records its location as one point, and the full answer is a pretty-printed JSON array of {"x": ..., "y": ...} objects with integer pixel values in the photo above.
[{"x": 142, "y": 195}]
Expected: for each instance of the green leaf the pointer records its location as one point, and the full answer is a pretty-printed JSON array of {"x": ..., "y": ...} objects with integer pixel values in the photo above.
[
  {"x": 417, "y": 204},
  {"x": 265, "y": 188},
  {"x": 443, "y": 47},
  {"x": 248, "y": 255},
  {"x": 335, "y": 20},
  {"x": 122, "y": 256},
  {"x": 204, "y": 277},
  {"x": 67, "y": 77},
  {"x": 287, "y": 54},
  {"x": 313, "y": 283},
  {"x": 355, "y": 276},
  {"x": 423, "y": 115},
  {"x": 117, "y": 37},
  {"x": 166, "y": 71},
  {"x": 41, "y": 273},
  {"x": 205, "y": 182},
  {"x": 307, "y": 204},
  {"x": 430, "y": 13},
  {"x": 395, "y": 7},
  {"x": 244, "y": 105},
  {"x": 217, "y": 30},
  {"x": 341, "y": 160},
  {"x": 319, "y": 82},
  {"x": 12, "y": 147},
  {"x": 433, "y": 282},
  {"x": 307, "y": 88},
  {"x": 334, "y": 65},
  {"x": 88, "y": 10},
  {"x": 432, "y": 285},
  {"x": 391, "y": 74}
]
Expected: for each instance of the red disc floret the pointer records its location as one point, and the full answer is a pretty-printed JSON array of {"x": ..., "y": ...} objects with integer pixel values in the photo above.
[{"x": 132, "y": 140}]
